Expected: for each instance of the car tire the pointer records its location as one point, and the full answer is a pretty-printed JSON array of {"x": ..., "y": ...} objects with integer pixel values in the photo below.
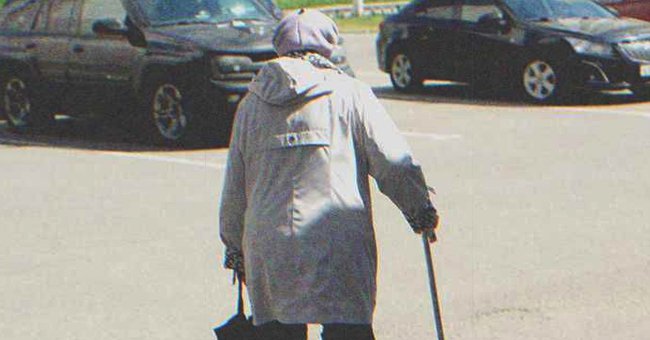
[
  {"x": 20, "y": 106},
  {"x": 167, "y": 113},
  {"x": 542, "y": 80},
  {"x": 403, "y": 74}
]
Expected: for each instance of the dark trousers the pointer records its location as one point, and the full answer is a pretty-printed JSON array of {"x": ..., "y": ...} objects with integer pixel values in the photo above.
[{"x": 278, "y": 331}]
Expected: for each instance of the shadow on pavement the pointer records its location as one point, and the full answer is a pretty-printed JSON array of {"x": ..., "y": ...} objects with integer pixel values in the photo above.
[
  {"x": 459, "y": 93},
  {"x": 106, "y": 134},
  {"x": 88, "y": 134}
]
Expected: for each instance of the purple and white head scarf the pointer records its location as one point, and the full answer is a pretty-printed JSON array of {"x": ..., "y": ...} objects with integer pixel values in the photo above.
[{"x": 306, "y": 30}]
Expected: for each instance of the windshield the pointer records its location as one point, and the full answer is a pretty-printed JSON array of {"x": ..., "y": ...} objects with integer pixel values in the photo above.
[
  {"x": 556, "y": 9},
  {"x": 170, "y": 12}
]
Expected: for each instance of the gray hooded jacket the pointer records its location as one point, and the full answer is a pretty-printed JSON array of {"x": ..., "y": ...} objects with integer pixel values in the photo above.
[{"x": 296, "y": 197}]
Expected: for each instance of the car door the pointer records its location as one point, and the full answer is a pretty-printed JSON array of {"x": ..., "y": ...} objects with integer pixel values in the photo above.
[
  {"x": 487, "y": 49},
  {"x": 101, "y": 59},
  {"x": 50, "y": 41},
  {"x": 435, "y": 44}
]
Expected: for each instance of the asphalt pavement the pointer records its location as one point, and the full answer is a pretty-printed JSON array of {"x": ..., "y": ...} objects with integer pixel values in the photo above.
[{"x": 544, "y": 233}]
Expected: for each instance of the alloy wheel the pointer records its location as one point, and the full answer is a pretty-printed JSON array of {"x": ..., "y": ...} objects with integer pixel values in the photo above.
[
  {"x": 17, "y": 104},
  {"x": 540, "y": 80},
  {"x": 168, "y": 112},
  {"x": 402, "y": 71}
]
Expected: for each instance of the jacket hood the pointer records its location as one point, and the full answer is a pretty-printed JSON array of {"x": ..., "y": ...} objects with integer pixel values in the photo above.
[{"x": 288, "y": 81}]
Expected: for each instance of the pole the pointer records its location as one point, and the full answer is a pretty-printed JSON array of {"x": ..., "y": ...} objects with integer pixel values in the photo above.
[
  {"x": 357, "y": 6},
  {"x": 432, "y": 285}
]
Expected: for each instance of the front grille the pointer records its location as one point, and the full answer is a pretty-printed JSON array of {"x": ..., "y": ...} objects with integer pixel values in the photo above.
[
  {"x": 245, "y": 71},
  {"x": 637, "y": 50}
]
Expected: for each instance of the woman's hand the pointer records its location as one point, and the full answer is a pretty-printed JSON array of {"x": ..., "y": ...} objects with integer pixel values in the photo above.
[{"x": 430, "y": 231}]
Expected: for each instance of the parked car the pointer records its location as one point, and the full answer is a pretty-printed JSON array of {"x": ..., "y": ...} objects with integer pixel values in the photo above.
[
  {"x": 639, "y": 9},
  {"x": 183, "y": 64},
  {"x": 546, "y": 48}
]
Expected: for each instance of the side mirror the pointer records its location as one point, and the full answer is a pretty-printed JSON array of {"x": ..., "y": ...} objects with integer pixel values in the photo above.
[
  {"x": 109, "y": 26},
  {"x": 493, "y": 22}
]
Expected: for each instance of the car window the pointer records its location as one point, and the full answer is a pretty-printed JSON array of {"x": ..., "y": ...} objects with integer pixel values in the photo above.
[
  {"x": 59, "y": 16},
  {"x": 441, "y": 10},
  {"x": 94, "y": 10},
  {"x": 19, "y": 16},
  {"x": 473, "y": 10},
  {"x": 413, "y": 5},
  {"x": 161, "y": 12},
  {"x": 555, "y": 9}
]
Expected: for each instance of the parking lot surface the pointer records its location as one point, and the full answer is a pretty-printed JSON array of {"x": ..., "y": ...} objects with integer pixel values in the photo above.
[{"x": 544, "y": 224}]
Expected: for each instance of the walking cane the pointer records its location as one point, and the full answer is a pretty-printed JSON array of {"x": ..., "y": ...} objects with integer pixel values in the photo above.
[{"x": 432, "y": 284}]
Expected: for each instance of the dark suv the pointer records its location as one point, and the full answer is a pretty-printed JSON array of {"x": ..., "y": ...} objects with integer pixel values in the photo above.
[
  {"x": 545, "y": 48},
  {"x": 175, "y": 69}
]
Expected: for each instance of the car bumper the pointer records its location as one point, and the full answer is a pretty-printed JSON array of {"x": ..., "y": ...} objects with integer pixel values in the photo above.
[
  {"x": 231, "y": 92},
  {"x": 239, "y": 87},
  {"x": 231, "y": 87},
  {"x": 610, "y": 74}
]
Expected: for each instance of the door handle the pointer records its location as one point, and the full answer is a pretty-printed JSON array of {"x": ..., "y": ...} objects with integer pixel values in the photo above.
[
  {"x": 77, "y": 49},
  {"x": 30, "y": 45}
]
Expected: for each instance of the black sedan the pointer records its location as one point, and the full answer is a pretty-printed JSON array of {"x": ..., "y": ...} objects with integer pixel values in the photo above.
[{"x": 546, "y": 48}]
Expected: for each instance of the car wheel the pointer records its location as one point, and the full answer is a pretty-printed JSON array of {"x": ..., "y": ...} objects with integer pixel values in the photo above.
[
  {"x": 541, "y": 81},
  {"x": 175, "y": 114},
  {"x": 402, "y": 73},
  {"x": 166, "y": 114},
  {"x": 21, "y": 108},
  {"x": 169, "y": 112}
]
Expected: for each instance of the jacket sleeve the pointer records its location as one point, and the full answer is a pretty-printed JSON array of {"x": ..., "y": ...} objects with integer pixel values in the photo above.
[
  {"x": 390, "y": 162},
  {"x": 233, "y": 200}
]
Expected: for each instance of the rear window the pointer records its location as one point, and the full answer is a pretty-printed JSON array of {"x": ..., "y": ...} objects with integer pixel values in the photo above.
[
  {"x": 18, "y": 15},
  {"x": 441, "y": 10}
]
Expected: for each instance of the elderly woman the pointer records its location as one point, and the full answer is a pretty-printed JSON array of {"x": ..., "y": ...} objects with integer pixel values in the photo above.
[{"x": 296, "y": 211}]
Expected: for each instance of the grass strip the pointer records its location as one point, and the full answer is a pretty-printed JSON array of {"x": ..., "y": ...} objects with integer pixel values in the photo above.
[{"x": 359, "y": 24}]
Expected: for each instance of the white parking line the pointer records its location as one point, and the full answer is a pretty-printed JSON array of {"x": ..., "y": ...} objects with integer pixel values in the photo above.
[
  {"x": 604, "y": 112},
  {"x": 174, "y": 160},
  {"x": 434, "y": 136},
  {"x": 204, "y": 164},
  {"x": 220, "y": 166}
]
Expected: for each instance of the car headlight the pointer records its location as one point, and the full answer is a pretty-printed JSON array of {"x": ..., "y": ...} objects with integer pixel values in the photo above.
[
  {"x": 226, "y": 64},
  {"x": 591, "y": 48}
]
